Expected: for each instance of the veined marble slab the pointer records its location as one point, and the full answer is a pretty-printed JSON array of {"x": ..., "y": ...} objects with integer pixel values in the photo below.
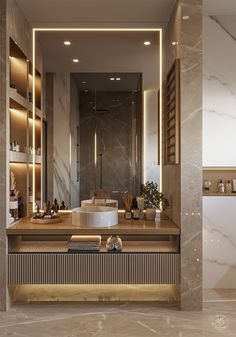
[
  {"x": 219, "y": 94},
  {"x": 219, "y": 242}
]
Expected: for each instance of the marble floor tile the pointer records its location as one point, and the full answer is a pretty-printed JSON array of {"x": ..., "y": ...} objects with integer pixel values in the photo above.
[{"x": 133, "y": 319}]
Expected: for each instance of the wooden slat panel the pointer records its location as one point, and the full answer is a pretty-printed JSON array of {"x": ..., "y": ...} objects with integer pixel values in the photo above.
[
  {"x": 148, "y": 268},
  {"x": 172, "y": 114}
]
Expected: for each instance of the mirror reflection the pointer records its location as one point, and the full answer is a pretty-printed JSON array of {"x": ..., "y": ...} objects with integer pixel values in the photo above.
[{"x": 101, "y": 104}]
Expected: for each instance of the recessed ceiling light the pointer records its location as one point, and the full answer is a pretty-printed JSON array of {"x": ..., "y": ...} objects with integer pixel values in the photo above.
[
  {"x": 67, "y": 43},
  {"x": 147, "y": 43},
  {"x": 175, "y": 43},
  {"x": 84, "y": 82},
  {"x": 112, "y": 79},
  {"x": 118, "y": 78},
  {"x": 75, "y": 60},
  {"x": 186, "y": 17}
]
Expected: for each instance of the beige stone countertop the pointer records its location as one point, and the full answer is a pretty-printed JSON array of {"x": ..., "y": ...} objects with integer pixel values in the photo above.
[{"x": 138, "y": 227}]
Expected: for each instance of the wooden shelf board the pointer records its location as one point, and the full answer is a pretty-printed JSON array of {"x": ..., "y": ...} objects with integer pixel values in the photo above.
[
  {"x": 61, "y": 247},
  {"x": 22, "y": 157},
  {"x": 219, "y": 168},
  {"x": 216, "y": 194},
  {"x": 18, "y": 157},
  {"x": 13, "y": 94}
]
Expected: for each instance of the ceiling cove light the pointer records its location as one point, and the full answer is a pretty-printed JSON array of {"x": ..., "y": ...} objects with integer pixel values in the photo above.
[
  {"x": 75, "y": 60},
  {"x": 147, "y": 43},
  {"x": 67, "y": 43}
]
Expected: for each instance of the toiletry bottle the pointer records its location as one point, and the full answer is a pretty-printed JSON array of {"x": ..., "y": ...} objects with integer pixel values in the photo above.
[
  {"x": 136, "y": 211},
  {"x": 228, "y": 186},
  {"x": 17, "y": 147},
  {"x": 221, "y": 186},
  {"x": 234, "y": 185}
]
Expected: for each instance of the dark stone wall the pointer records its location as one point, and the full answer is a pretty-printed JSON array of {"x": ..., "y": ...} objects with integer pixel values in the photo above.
[{"x": 116, "y": 119}]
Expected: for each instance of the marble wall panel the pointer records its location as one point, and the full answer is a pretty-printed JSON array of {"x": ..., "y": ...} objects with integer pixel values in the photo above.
[
  {"x": 219, "y": 94},
  {"x": 219, "y": 139},
  {"x": 182, "y": 183},
  {"x": 115, "y": 125},
  {"x": 151, "y": 168},
  {"x": 61, "y": 137},
  {"x": 219, "y": 242},
  {"x": 191, "y": 155}
]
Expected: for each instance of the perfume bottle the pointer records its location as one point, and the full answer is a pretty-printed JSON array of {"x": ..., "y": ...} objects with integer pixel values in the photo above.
[
  {"x": 229, "y": 187},
  {"x": 135, "y": 209},
  {"x": 221, "y": 186}
]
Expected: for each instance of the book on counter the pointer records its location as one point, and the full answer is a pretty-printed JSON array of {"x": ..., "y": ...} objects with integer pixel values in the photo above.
[{"x": 84, "y": 243}]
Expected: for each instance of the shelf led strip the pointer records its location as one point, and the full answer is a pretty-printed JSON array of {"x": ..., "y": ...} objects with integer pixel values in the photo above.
[{"x": 35, "y": 30}]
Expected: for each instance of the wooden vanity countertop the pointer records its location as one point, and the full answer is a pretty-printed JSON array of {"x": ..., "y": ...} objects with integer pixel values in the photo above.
[{"x": 132, "y": 227}]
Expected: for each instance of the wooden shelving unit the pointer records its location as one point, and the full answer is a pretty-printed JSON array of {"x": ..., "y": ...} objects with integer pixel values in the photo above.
[
  {"x": 21, "y": 126},
  {"x": 172, "y": 114}
]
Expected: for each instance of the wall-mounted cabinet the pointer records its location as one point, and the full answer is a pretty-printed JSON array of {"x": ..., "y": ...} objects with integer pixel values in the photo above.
[{"x": 21, "y": 132}]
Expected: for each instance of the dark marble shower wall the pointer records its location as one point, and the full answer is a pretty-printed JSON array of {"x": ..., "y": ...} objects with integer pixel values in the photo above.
[{"x": 116, "y": 119}]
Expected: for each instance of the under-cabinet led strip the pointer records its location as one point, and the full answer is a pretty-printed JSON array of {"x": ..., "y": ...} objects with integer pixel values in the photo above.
[{"x": 159, "y": 30}]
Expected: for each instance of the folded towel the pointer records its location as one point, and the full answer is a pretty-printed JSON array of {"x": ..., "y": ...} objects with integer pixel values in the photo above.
[{"x": 85, "y": 238}]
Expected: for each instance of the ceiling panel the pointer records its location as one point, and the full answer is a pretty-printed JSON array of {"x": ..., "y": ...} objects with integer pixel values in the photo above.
[{"x": 69, "y": 12}]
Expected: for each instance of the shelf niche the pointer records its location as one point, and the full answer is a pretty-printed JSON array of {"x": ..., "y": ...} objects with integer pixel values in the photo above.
[
  {"x": 37, "y": 183},
  {"x": 18, "y": 125},
  {"x": 213, "y": 174},
  {"x": 18, "y": 69},
  {"x": 20, "y": 172},
  {"x": 38, "y": 86}
]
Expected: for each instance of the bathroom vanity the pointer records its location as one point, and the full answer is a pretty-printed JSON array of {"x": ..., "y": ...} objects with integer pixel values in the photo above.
[{"x": 38, "y": 254}]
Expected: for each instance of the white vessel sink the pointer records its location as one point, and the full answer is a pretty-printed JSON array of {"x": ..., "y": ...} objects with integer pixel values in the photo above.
[
  {"x": 95, "y": 216},
  {"x": 100, "y": 202}
]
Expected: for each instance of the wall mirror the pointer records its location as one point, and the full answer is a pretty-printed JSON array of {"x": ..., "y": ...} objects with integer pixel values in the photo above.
[{"x": 100, "y": 113}]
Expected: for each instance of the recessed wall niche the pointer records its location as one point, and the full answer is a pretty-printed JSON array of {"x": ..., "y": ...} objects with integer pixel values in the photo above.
[
  {"x": 18, "y": 69},
  {"x": 18, "y": 125}
]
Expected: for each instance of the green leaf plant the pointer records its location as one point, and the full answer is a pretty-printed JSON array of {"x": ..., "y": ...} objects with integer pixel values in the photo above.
[{"x": 152, "y": 197}]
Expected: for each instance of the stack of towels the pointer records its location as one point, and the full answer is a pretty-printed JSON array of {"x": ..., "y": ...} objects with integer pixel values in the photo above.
[{"x": 79, "y": 243}]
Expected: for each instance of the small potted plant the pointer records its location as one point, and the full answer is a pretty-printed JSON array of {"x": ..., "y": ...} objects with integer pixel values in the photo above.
[{"x": 153, "y": 199}]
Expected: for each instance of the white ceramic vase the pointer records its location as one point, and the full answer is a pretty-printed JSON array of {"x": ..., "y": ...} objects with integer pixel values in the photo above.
[{"x": 150, "y": 214}]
